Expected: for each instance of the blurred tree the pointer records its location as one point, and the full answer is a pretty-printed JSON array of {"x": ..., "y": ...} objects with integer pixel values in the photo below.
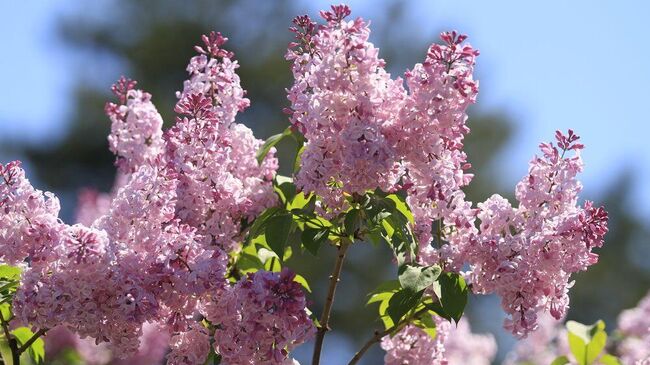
[{"x": 622, "y": 276}]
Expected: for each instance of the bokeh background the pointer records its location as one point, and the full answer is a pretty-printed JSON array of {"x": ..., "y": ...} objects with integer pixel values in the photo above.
[{"x": 544, "y": 66}]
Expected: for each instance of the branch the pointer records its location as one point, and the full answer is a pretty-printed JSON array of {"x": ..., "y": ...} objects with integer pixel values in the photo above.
[
  {"x": 31, "y": 340},
  {"x": 325, "y": 318},
  {"x": 13, "y": 344},
  {"x": 380, "y": 334}
]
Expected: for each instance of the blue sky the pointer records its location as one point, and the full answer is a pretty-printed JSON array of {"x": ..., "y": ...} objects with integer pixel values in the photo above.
[
  {"x": 548, "y": 65},
  {"x": 553, "y": 65}
]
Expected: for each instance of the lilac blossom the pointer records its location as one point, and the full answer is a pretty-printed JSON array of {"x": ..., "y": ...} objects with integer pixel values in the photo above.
[
  {"x": 450, "y": 345},
  {"x": 260, "y": 319}
]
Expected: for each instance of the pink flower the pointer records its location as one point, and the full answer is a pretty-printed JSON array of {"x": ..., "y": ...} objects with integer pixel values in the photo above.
[
  {"x": 526, "y": 255},
  {"x": 634, "y": 326},
  {"x": 260, "y": 319},
  {"x": 29, "y": 225},
  {"x": 220, "y": 182},
  {"x": 136, "y": 129},
  {"x": 342, "y": 100},
  {"x": 191, "y": 347},
  {"x": 451, "y": 345}
]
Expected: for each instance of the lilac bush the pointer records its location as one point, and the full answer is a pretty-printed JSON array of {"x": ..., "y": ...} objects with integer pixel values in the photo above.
[{"x": 188, "y": 251}]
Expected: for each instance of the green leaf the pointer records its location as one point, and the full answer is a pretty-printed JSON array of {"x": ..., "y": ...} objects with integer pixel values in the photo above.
[
  {"x": 352, "y": 221},
  {"x": 213, "y": 358},
  {"x": 270, "y": 143},
  {"x": 288, "y": 251},
  {"x": 375, "y": 237},
  {"x": 453, "y": 290},
  {"x": 301, "y": 201},
  {"x": 578, "y": 348},
  {"x": 584, "y": 331},
  {"x": 313, "y": 238},
  {"x": 9, "y": 282},
  {"x": 596, "y": 346},
  {"x": 384, "y": 291},
  {"x": 298, "y": 159},
  {"x": 10, "y": 273},
  {"x": 277, "y": 233},
  {"x": 36, "y": 349},
  {"x": 5, "y": 351},
  {"x": 302, "y": 281},
  {"x": 401, "y": 303},
  {"x": 426, "y": 323},
  {"x": 265, "y": 254},
  {"x": 587, "y": 342},
  {"x": 271, "y": 261},
  {"x": 608, "y": 359},
  {"x": 314, "y": 221},
  {"x": 436, "y": 308},
  {"x": 5, "y": 309},
  {"x": 399, "y": 235},
  {"x": 432, "y": 332},
  {"x": 562, "y": 360},
  {"x": 249, "y": 263},
  {"x": 258, "y": 226},
  {"x": 402, "y": 207},
  {"x": 285, "y": 188},
  {"x": 416, "y": 278}
]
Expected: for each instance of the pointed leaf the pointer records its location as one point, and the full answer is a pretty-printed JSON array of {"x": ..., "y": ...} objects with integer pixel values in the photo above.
[
  {"x": 352, "y": 221},
  {"x": 401, "y": 303},
  {"x": 302, "y": 281},
  {"x": 562, "y": 360},
  {"x": 416, "y": 278},
  {"x": 454, "y": 294},
  {"x": 285, "y": 188},
  {"x": 277, "y": 233},
  {"x": 578, "y": 348},
  {"x": 608, "y": 359},
  {"x": 313, "y": 238},
  {"x": 270, "y": 143}
]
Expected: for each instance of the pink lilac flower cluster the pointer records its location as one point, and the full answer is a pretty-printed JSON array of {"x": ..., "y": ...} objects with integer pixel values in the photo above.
[
  {"x": 190, "y": 347},
  {"x": 136, "y": 130},
  {"x": 136, "y": 264},
  {"x": 152, "y": 251},
  {"x": 29, "y": 226},
  {"x": 451, "y": 345},
  {"x": 634, "y": 326},
  {"x": 365, "y": 131},
  {"x": 260, "y": 319},
  {"x": 527, "y": 254},
  {"x": 342, "y": 101},
  {"x": 220, "y": 182},
  {"x": 430, "y": 135}
]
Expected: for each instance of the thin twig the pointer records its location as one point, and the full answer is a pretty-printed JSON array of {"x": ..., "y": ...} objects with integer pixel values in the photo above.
[
  {"x": 380, "y": 334},
  {"x": 31, "y": 340},
  {"x": 325, "y": 317}
]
